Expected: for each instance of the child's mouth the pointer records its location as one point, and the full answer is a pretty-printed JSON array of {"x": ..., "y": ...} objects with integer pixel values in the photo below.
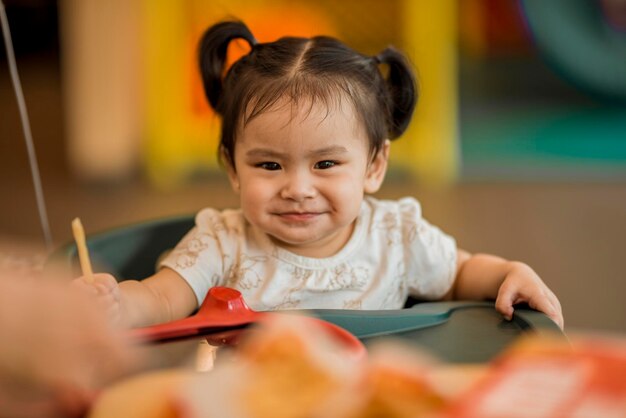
[{"x": 298, "y": 216}]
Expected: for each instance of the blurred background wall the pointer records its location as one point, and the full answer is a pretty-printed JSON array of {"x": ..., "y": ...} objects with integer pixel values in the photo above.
[{"x": 518, "y": 146}]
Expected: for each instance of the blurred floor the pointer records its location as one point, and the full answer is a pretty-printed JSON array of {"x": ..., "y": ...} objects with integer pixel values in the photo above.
[{"x": 573, "y": 234}]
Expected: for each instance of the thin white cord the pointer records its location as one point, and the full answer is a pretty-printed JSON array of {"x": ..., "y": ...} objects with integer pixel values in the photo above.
[{"x": 34, "y": 168}]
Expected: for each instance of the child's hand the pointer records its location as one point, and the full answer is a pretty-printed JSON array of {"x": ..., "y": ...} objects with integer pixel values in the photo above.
[
  {"x": 105, "y": 290},
  {"x": 522, "y": 284}
]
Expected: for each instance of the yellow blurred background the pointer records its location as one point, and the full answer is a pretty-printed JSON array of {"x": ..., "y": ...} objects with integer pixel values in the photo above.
[
  {"x": 143, "y": 69},
  {"x": 509, "y": 152}
]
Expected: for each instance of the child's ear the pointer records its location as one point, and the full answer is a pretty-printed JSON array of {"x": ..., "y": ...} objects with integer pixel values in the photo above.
[
  {"x": 232, "y": 177},
  {"x": 377, "y": 169},
  {"x": 232, "y": 173}
]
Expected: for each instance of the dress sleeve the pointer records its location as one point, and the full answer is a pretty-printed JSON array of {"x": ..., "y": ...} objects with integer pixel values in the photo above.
[
  {"x": 430, "y": 254},
  {"x": 202, "y": 256}
]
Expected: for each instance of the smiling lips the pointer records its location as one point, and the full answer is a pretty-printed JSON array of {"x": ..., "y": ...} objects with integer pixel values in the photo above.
[{"x": 298, "y": 216}]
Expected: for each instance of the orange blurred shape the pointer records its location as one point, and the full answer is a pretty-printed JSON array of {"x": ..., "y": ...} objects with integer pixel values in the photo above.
[
  {"x": 267, "y": 24},
  {"x": 493, "y": 27}
]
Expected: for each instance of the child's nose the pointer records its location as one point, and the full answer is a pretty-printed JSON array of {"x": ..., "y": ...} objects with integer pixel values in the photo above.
[{"x": 298, "y": 186}]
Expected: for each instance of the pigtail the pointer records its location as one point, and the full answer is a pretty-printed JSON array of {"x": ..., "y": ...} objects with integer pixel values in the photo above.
[
  {"x": 212, "y": 56},
  {"x": 402, "y": 89}
]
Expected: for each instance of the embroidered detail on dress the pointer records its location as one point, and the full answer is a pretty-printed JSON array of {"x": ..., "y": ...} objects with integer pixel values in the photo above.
[
  {"x": 244, "y": 274},
  {"x": 216, "y": 223},
  {"x": 391, "y": 228},
  {"x": 349, "y": 277},
  {"x": 353, "y": 304},
  {"x": 426, "y": 232},
  {"x": 394, "y": 299},
  {"x": 401, "y": 277},
  {"x": 343, "y": 276},
  {"x": 300, "y": 276},
  {"x": 451, "y": 260},
  {"x": 411, "y": 231},
  {"x": 189, "y": 250},
  {"x": 398, "y": 288},
  {"x": 288, "y": 303},
  {"x": 398, "y": 232}
]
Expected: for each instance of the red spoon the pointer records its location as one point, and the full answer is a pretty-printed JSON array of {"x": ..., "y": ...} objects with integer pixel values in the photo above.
[{"x": 224, "y": 309}]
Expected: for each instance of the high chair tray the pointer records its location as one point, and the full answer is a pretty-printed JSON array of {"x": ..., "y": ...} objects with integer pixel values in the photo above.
[{"x": 459, "y": 332}]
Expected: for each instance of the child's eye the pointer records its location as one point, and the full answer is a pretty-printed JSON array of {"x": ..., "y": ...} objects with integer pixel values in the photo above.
[
  {"x": 270, "y": 166},
  {"x": 323, "y": 165}
]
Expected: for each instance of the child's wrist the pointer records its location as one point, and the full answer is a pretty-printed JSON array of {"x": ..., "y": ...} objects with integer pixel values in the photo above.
[{"x": 519, "y": 267}]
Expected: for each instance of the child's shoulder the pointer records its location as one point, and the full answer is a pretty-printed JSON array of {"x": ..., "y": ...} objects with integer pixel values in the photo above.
[
  {"x": 405, "y": 206},
  {"x": 213, "y": 218}
]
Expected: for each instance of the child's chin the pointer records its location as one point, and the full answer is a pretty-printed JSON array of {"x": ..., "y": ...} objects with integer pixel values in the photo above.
[{"x": 292, "y": 242}]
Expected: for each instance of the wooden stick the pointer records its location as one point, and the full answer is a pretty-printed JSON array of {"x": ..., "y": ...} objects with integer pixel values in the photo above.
[{"x": 83, "y": 253}]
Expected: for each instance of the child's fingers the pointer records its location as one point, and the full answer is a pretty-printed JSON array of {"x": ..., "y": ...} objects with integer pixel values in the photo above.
[
  {"x": 537, "y": 295},
  {"x": 547, "y": 303},
  {"x": 102, "y": 289},
  {"x": 105, "y": 279},
  {"x": 504, "y": 303},
  {"x": 82, "y": 286},
  {"x": 505, "y": 308},
  {"x": 102, "y": 283},
  {"x": 108, "y": 304},
  {"x": 108, "y": 298}
]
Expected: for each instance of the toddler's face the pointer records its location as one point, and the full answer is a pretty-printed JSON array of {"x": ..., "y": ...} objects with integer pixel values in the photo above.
[{"x": 302, "y": 172}]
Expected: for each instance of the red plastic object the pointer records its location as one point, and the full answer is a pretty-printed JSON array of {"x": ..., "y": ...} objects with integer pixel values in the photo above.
[{"x": 224, "y": 309}]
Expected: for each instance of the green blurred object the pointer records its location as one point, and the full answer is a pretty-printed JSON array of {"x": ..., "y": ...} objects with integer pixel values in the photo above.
[
  {"x": 462, "y": 332},
  {"x": 520, "y": 121},
  {"x": 546, "y": 142},
  {"x": 576, "y": 38}
]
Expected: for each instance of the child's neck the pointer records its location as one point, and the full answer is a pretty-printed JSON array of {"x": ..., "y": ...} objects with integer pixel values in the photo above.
[{"x": 322, "y": 248}]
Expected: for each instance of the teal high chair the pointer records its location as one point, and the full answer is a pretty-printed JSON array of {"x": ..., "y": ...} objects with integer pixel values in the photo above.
[{"x": 463, "y": 332}]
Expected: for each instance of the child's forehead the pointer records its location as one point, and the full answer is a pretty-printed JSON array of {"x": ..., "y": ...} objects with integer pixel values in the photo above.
[
  {"x": 290, "y": 110},
  {"x": 311, "y": 122}
]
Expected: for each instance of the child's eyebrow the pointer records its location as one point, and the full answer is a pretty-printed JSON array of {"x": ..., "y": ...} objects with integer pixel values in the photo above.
[
  {"x": 263, "y": 153},
  {"x": 332, "y": 150},
  {"x": 270, "y": 153}
]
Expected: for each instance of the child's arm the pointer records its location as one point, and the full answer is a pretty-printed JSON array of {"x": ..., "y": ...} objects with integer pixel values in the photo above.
[
  {"x": 163, "y": 297},
  {"x": 483, "y": 276}
]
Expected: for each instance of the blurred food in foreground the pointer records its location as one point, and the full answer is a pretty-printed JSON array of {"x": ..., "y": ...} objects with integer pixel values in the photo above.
[
  {"x": 541, "y": 378},
  {"x": 284, "y": 369},
  {"x": 149, "y": 395},
  {"x": 287, "y": 367}
]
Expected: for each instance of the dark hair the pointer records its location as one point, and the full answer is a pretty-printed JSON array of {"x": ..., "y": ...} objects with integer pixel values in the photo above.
[{"x": 319, "y": 68}]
